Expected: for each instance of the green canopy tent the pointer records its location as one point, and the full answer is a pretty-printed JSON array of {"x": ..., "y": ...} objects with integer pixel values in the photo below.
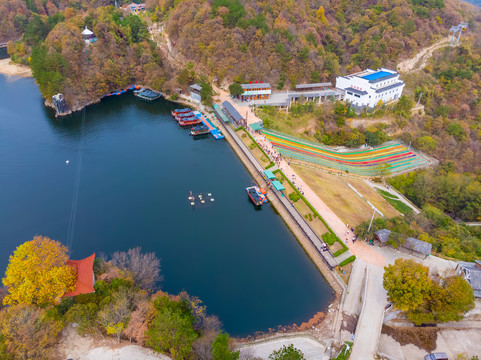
[
  {"x": 257, "y": 126},
  {"x": 269, "y": 175},
  {"x": 278, "y": 186}
]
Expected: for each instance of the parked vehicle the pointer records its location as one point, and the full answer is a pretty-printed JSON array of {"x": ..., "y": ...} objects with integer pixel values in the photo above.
[{"x": 436, "y": 356}]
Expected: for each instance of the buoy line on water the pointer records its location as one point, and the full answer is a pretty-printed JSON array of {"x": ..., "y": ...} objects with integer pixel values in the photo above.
[{"x": 73, "y": 211}]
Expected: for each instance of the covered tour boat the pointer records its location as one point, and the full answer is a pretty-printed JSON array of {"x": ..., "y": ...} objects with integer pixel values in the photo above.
[
  {"x": 184, "y": 115},
  {"x": 180, "y": 111},
  {"x": 199, "y": 130},
  {"x": 256, "y": 195},
  {"x": 189, "y": 121}
]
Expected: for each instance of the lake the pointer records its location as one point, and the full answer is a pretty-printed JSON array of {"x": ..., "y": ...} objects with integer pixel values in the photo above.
[{"x": 132, "y": 176}]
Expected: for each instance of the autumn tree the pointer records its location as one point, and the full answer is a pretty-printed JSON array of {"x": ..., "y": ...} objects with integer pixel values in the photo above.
[
  {"x": 220, "y": 348},
  {"x": 114, "y": 316},
  {"x": 235, "y": 89},
  {"x": 407, "y": 283},
  {"x": 206, "y": 92},
  {"x": 287, "y": 353},
  {"x": 28, "y": 333},
  {"x": 143, "y": 267},
  {"x": 172, "y": 328},
  {"x": 37, "y": 273},
  {"x": 411, "y": 289}
]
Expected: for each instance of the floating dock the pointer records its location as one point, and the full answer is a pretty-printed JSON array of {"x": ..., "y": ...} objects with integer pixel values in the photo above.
[
  {"x": 200, "y": 200},
  {"x": 123, "y": 91},
  {"x": 213, "y": 130}
]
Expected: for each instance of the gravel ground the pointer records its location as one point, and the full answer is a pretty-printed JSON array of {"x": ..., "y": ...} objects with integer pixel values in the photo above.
[{"x": 312, "y": 349}]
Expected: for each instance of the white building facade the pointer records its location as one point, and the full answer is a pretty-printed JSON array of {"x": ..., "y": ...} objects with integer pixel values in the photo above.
[{"x": 368, "y": 87}]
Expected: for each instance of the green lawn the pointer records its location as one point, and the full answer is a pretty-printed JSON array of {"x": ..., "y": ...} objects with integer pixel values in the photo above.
[
  {"x": 397, "y": 204},
  {"x": 388, "y": 194},
  {"x": 254, "y": 148}
]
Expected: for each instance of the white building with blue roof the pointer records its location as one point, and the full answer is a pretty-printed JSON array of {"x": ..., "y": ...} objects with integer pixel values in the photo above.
[{"x": 368, "y": 87}]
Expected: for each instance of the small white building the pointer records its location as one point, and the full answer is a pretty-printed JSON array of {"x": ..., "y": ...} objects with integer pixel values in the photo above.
[
  {"x": 471, "y": 272},
  {"x": 195, "y": 92},
  {"x": 368, "y": 87},
  {"x": 88, "y": 36}
]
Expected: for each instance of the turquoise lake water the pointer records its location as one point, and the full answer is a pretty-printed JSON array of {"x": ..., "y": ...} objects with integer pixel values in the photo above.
[{"x": 137, "y": 167}]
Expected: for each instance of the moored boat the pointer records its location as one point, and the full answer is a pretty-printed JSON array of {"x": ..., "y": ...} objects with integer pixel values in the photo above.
[
  {"x": 189, "y": 121},
  {"x": 257, "y": 197},
  {"x": 146, "y": 94},
  {"x": 185, "y": 118},
  {"x": 199, "y": 130},
  {"x": 180, "y": 111},
  {"x": 184, "y": 115}
]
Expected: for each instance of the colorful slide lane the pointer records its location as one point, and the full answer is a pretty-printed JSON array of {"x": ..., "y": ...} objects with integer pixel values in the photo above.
[
  {"x": 388, "y": 158},
  {"x": 213, "y": 130}
]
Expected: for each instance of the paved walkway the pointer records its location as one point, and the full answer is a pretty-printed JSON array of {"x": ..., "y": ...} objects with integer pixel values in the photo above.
[
  {"x": 353, "y": 300},
  {"x": 370, "y": 320}
]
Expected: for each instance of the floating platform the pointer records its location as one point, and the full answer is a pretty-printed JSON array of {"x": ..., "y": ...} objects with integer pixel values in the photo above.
[
  {"x": 200, "y": 199},
  {"x": 213, "y": 130},
  {"x": 123, "y": 91},
  {"x": 257, "y": 195},
  {"x": 147, "y": 95}
]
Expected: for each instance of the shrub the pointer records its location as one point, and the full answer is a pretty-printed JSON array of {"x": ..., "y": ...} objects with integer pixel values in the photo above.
[
  {"x": 328, "y": 238},
  {"x": 294, "y": 197},
  {"x": 347, "y": 261}
]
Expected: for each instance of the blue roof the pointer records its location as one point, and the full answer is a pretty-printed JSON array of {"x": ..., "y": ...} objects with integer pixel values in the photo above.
[
  {"x": 278, "y": 186},
  {"x": 269, "y": 175},
  {"x": 232, "y": 111},
  {"x": 376, "y": 75}
]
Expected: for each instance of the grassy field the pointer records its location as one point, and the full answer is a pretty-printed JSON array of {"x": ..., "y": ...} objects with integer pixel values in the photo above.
[
  {"x": 253, "y": 148},
  {"x": 343, "y": 201},
  {"x": 393, "y": 200},
  {"x": 315, "y": 223}
]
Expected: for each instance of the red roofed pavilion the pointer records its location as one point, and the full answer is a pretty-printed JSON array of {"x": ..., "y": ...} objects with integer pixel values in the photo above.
[{"x": 85, "y": 276}]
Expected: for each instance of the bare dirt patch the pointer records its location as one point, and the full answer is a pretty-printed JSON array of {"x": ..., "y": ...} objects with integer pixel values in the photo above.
[
  {"x": 9, "y": 68},
  {"x": 349, "y": 323},
  {"x": 423, "y": 338}
]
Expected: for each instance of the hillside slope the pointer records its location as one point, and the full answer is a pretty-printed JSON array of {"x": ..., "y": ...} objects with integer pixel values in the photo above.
[{"x": 289, "y": 42}]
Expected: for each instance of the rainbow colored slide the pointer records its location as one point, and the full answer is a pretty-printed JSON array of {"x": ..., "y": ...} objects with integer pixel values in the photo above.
[{"x": 389, "y": 158}]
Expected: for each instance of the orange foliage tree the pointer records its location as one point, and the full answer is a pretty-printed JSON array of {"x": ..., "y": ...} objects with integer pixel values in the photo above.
[{"x": 37, "y": 273}]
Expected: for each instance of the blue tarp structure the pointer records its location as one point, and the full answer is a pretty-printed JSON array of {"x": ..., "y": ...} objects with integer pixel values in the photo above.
[
  {"x": 278, "y": 186},
  {"x": 269, "y": 175}
]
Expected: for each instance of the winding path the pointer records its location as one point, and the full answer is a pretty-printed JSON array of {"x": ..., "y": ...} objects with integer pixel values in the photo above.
[{"x": 418, "y": 62}]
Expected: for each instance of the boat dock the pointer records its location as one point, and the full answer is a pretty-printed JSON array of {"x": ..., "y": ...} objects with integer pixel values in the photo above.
[{"x": 213, "y": 130}]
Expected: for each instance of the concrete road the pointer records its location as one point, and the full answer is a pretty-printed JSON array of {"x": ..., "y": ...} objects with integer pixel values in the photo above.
[
  {"x": 355, "y": 288},
  {"x": 370, "y": 320}
]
